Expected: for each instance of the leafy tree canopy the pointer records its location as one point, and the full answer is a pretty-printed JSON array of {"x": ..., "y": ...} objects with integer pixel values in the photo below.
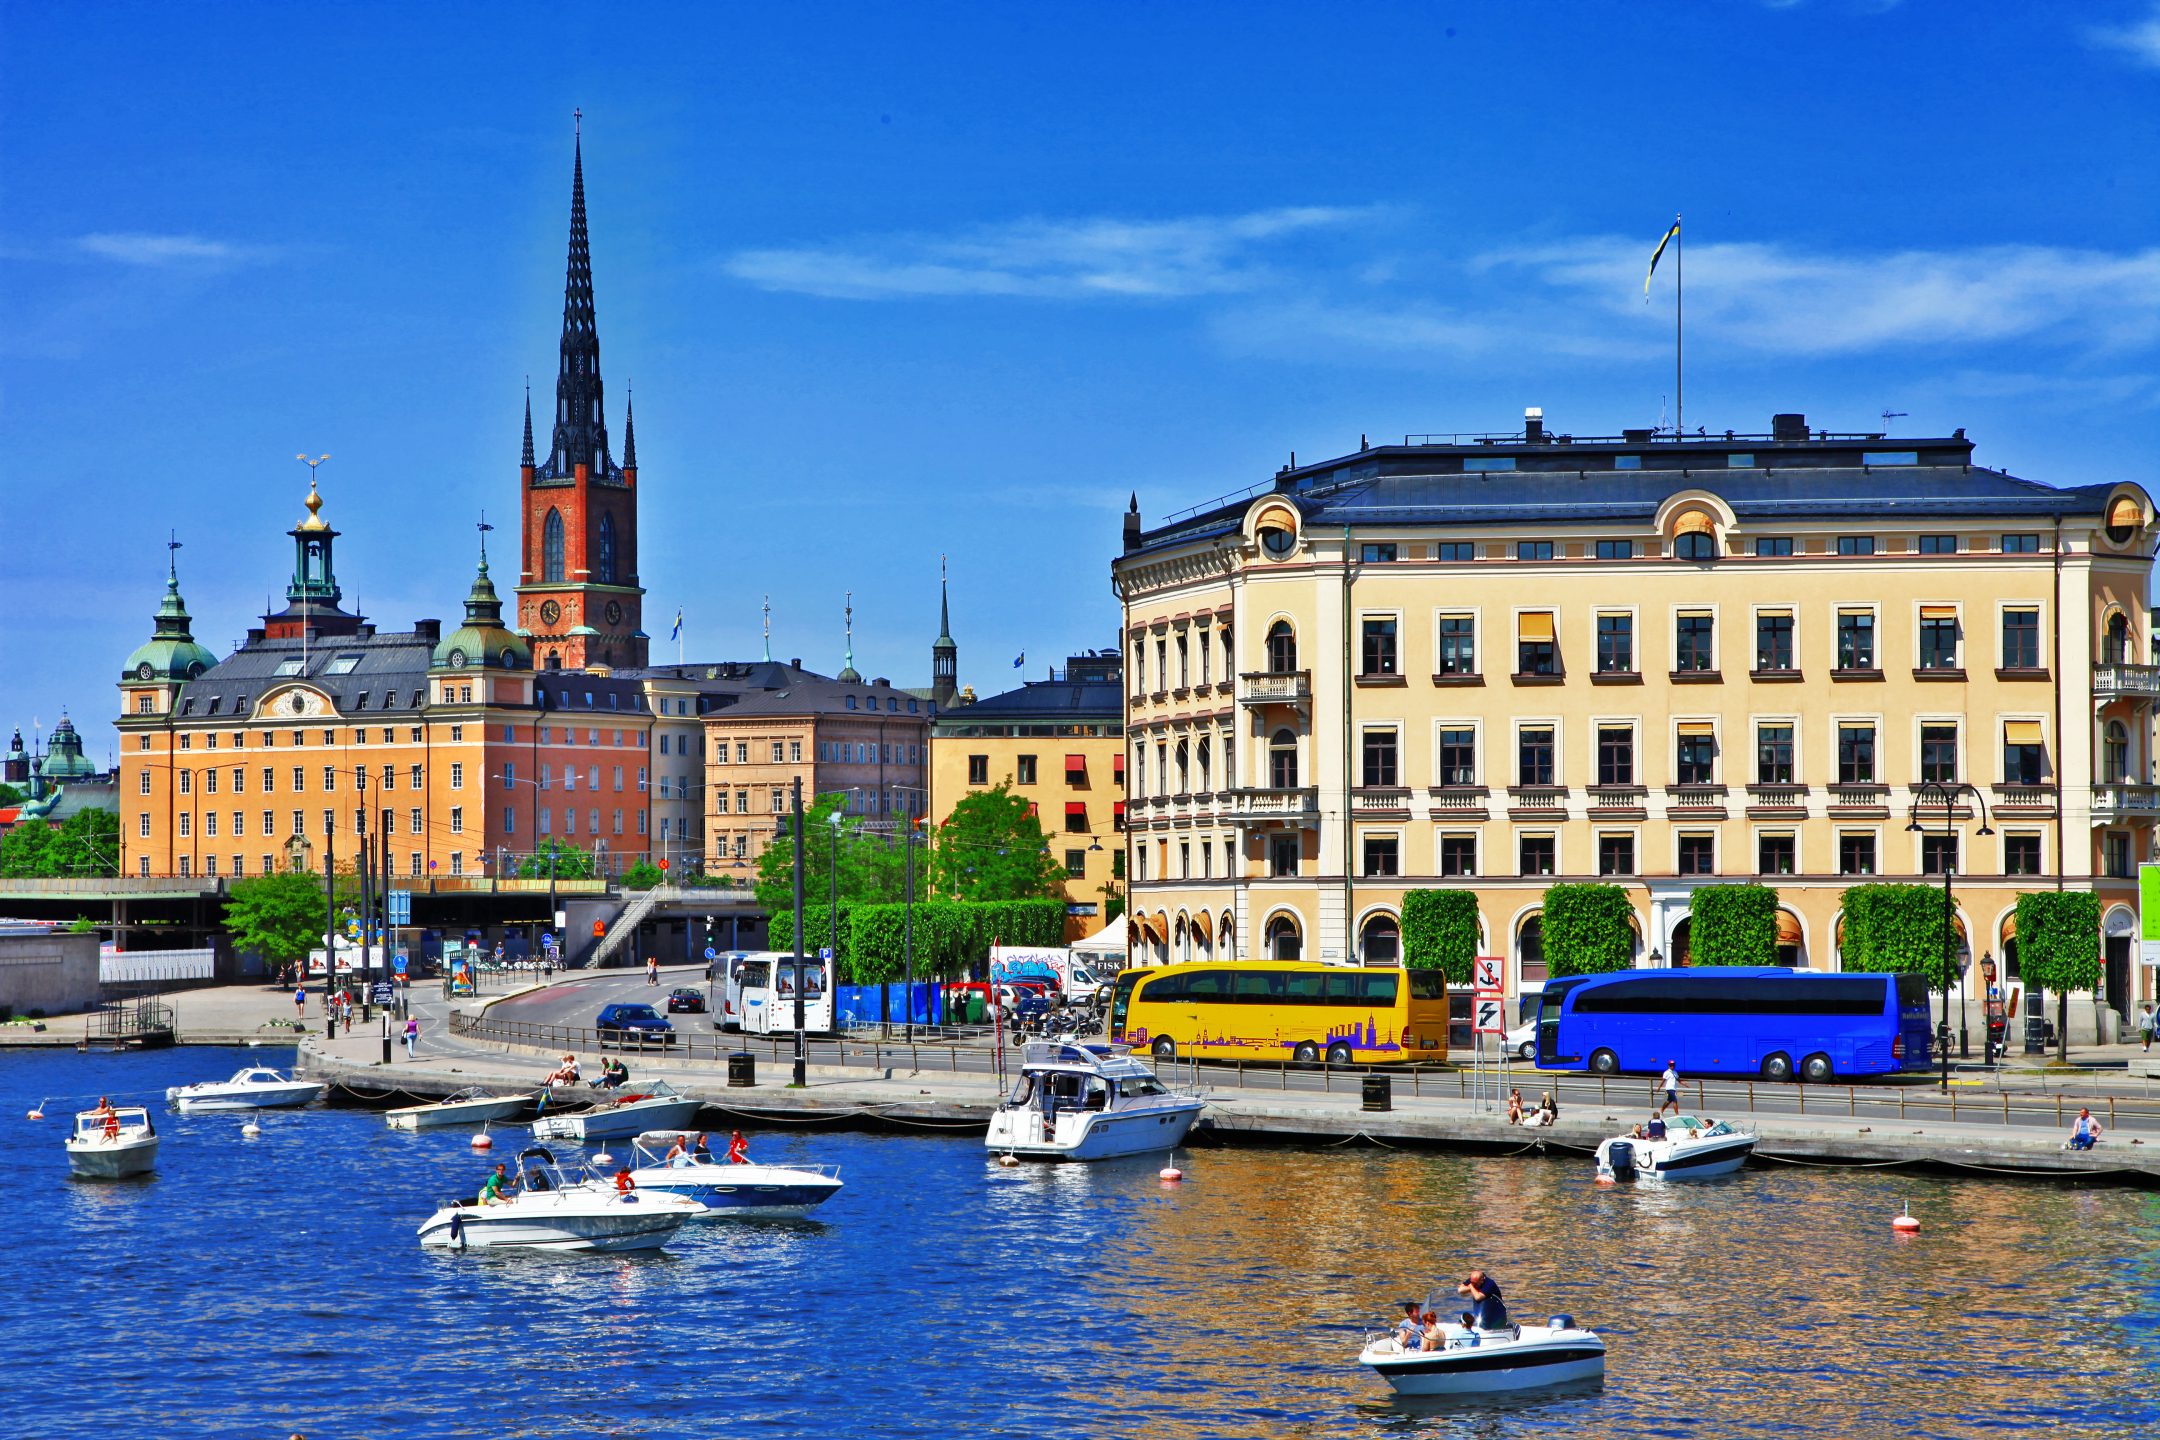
[
  {"x": 872, "y": 867},
  {"x": 279, "y": 917},
  {"x": 87, "y": 844},
  {"x": 991, "y": 848}
]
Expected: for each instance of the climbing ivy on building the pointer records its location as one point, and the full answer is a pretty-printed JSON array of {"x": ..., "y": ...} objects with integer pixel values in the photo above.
[
  {"x": 1589, "y": 930},
  {"x": 1440, "y": 932},
  {"x": 1732, "y": 925}
]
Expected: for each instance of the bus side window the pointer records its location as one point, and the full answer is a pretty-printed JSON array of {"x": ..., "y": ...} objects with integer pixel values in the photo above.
[
  {"x": 1260, "y": 987},
  {"x": 1380, "y": 989},
  {"x": 1301, "y": 987}
]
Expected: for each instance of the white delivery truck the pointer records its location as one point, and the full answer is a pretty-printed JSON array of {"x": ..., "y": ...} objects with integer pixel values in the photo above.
[{"x": 1072, "y": 974}]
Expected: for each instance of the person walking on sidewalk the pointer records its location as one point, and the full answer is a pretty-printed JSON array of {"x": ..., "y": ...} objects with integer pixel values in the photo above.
[
  {"x": 1669, "y": 1082},
  {"x": 412, "y": 1037},
  {"x": 299, "y": 1002},
  {"x": 652, "y": 969},
  {"x": 2148, "y": 1021}
]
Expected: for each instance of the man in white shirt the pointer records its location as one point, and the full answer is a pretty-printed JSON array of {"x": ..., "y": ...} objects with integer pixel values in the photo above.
[{"x": 1670, "y": 1083}]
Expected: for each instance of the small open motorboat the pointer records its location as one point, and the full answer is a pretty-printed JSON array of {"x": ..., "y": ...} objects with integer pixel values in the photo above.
[
  {"x": 658, "y": 1106},
  {"x": 554, "y": 1209},
  {"x": 1477, "y": 1361},
  {"x": 465, "y": 1107},
  {"x": 256, "y": 1088},
  {"x": 1693, "y": 1149},
  {"x": 1088, "y": 1102},
  {"x": 112, "y": 1144},
  {"x": 744, "y": 1190}
]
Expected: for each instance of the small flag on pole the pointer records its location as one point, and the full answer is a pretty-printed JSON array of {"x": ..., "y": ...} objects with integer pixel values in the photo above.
[
  {"x": 1657, "y": 255},
  {"x": 1020, "y": 660},
  {"x": 677, "y": 635}
]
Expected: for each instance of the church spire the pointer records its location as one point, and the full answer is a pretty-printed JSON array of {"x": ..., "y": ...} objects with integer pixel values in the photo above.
[
  {"x": 580, "y": 415},
  {"x": 848, "y": 674},
  {"x": 629, "y": 433},
  {"x": 944, "y": 652},
  {"x": 526, "y": 459}
]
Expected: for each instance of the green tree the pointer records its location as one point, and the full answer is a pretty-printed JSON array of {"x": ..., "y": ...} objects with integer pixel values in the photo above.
[
  {"x": 1732, "y": 925},
  {"x": 2058, "y": 940},
  {"x": 9, "y": 795},
  {"x": 1897, "y": 929},
  {"x": 871, "y": 863},
  {"x": 279, "y": 917},
  {"x": 570, "y": 863},
  {"x": 1440, "y": 932},
  {"x": 644, "y": 875},
  {"x": 1588, "y": 929},
  {"x": 87, "y": 845},
  {"x": 992, "y": 848}
]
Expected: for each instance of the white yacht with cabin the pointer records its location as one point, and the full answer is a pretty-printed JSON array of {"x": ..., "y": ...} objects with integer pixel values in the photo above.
[
  {"x": 1088, "y": 1102},
  {"x": 257, "y": 1087},
  {"x": 112, "y": 1143}
]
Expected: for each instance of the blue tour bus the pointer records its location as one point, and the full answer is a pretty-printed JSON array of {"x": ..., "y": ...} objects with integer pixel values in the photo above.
[{"x": 1744, "y": 1020}]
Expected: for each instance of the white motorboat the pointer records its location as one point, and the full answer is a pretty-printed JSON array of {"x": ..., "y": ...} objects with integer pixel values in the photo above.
[
  {"x": 1691, "y": 1149},
  {"x": 112, "y": 1144},
  {"x": 465, "y": 1107},
  {"x": 742, "y": 1190},
  {"x": 658, "y": 1106},
  {"x": 554, "y": 1209},
  {"x": 256, "y": 1088},
  {"x": 1088, "y": 1102},
  {"x": 1478, "y": 1361}
]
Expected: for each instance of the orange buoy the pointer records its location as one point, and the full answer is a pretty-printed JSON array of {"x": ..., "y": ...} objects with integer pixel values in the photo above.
[{"x": 1904, "y": 1223}]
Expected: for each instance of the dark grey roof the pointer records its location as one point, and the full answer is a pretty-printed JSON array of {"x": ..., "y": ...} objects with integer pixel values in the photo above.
[
  {"x": 1045, "y": 700},
  {"x": 574, "y": 692},
  {"x": 816, "y": 695},
  {"x": 390, "y": 669}
]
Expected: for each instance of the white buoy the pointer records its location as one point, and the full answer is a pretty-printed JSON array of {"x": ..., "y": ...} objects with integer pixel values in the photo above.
[
  {"x": 1904, "y": 1223},
  {"x": 1008, "y": 1159},
  {"x": 482, "y": 1142},
  {"x": 251, "y": 1130},
  {"x": 603, "y": 1159},
  {"x": 1170, "y": 1174}
]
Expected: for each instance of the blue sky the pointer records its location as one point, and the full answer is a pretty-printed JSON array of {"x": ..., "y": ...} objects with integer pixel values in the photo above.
[{"x": 896, "y": 281}]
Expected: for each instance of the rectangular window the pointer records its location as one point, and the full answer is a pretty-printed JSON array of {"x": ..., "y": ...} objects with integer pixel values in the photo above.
[
  {"x": 187, "y": 782},
  {"x": 1616, "y": 855},
  {"x": 779, "y": 801},
  {"x": 1856, "y": 754},
  {"x": 1773, "y": 754},
  {"x": 1378, "y": 647},
  {"x": 1938, "y": 854},
  {"x": 794, "y": 752},
  {"x": 1383, "y": 855},
  {"x": 1458, "y": 855},
  {"x": 1938, "y": 752},
  {"x": 1536, "y": 651},
  {"x": 1075, "y": 864},
  {"x": 209, "y": 821},
  {"x": 1616, "y": 549},
  {"x": 142, "y": 783},
  {"x": 1938, "y": 545},
  {"x": 457, "y": 774},
  {"x": 187, "y": 823},
  {"x": 299, "y": 822},
  {"x": 413, "y": 777},
  {"x": 742, "y": 752},
  {"x": 457, "y": 819},
  {"x": 978, "y": 770},
  {"x": 1776, "y": 855},
  {"x": 778, "y": 750},
  {"x": 1282, "y": 856},
  {"x": 1627, "y": 462},
  {"x": 1616, "y": 644},
  {"x": 1696, "y": 756},
  {"x": 414, "y": 868},
  {"x": 1694, "y": 644},
  {"x": 1698, "y": 854},
  {"x": 1856, "y": 640},
  {"x": 414, "y": 824},
  {"x": 2021, "y": 640},
  {"x": 239, "y": 780},
  {"x": 1535, "y": 854},
  {"x": 1856, "y": 854},
  {"x": 1616, "y": 755},
  {"x": 269, "y": 779},
  {"x": 1455, "y": 551},
  {"x": 1774, "y": 640},
  {"x": 1458, "y": 645},
  {"x": 1380, "y": 757},
  {"x": 1778, "y": 545},
  {"x": 1938, "y": 637},
  {"x": 2115, "y": 855},
  {"x": 2021, "y": 855},
  {"x": 269, "y": 822},
  {"x": 1458, "y": 756},
  {"x": 1534, "y": 755},
  {"x": 1024, "y": 769},
  {"x": 142, "y": 825},
  {"x": 2021, "y": 544},
  {"x": 2024, "y": 754},
  {"x": 210, "y": 778},
  {"x": 239, "y": 823},
  {"x": 1739, "y": 460},
  {"x": 1377, "y": 554},
  {"x": 299, "y": 778},
  {"x": 1533, "y": 550},
  {"x": 742, "y": 802},
  {"x": 1855, "y": 544}
]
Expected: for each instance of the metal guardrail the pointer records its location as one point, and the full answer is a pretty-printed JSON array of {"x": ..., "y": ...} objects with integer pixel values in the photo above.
[{"x": 717, "y": 1046}]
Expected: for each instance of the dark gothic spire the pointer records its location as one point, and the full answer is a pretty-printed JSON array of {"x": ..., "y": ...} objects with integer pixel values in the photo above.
[
  {"x": 629, "y": 433},
  {"x": 580, "y": 416},
  {"x": 944, "y": 653},
  {"x": 526, "y": 459}
]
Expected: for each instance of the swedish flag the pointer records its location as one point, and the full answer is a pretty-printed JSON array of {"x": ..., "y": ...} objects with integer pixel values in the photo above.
[{"x": 1657, "y": 255}]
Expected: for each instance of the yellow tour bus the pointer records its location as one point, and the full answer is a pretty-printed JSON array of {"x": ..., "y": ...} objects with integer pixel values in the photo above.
[{"x": 1282, "y": 1010}]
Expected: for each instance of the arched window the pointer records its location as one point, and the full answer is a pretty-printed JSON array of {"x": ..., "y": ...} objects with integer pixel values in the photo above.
[
  {"x": 551, "y": 561},
  {"x": 2116, "y": 648},
  {"x": 604, "y": 564},
  {"x": 1380, "y": 942},
  {"x": 2115, "y": 754},
  {"x": 1282, "y": 760},
  {"x": 1281, "y": 648},
  {"x": 1283, "y": 940},
  {"x": 1695, "y": 546}
]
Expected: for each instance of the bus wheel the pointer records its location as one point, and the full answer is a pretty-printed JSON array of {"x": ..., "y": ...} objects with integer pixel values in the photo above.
[
  {"x": 1777, "y": 1067},
  {"x": 1604, "y": 1062},
  {"x": 1338, "y": 1054},
  {"x": 1305, "y": 1053},
  {"x": 1164, "y": 1048},
  {"x": 1817, "y": 1070}
]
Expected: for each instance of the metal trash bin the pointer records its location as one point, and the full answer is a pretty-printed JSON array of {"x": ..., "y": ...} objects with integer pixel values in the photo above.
[
  {"x": 741, "y": 1069},
  {"x": 1379, "y": 1092}
]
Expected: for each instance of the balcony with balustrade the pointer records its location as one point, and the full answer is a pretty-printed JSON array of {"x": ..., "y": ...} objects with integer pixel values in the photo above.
[
  {"x": 2119, "y": 681},
  {"x": 1261, "y": 806},
  {"x": 2115, "y": 804},
  {"x": 1273, "y": 687}
]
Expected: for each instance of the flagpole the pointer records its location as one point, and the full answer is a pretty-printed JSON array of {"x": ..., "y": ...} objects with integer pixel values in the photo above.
[{"x": 1679, "y": 271}]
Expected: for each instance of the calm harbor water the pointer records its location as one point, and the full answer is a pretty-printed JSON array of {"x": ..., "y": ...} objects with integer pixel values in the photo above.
[{"x": 255, "y": 1288}]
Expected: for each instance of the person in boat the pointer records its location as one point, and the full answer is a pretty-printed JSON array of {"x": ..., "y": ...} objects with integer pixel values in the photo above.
[
  {"x": 1655, "y": 1130},
  {"x": 1514, "y": 1107},
  {"x": 1410, "y": 1330},
  {"x": 108, "y": 1118},
  {"x": 624, "y": 1184},
  {"x": 738, "y": 1149},
  {"x": 678, "y": 1154},
  {"x": 700, "y": 1152},
  {"x": 536, "y": 1180},
  {"x": 1435, "y": 1335},
  {"x": 1487, "y": 1310},
  {"x": 498, "y": 1187}
]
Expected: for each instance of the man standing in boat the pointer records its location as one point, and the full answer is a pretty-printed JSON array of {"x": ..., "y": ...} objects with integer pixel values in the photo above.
[{"x": 1487, "y": 1310}]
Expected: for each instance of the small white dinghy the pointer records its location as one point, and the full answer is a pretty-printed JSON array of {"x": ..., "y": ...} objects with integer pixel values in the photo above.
[
  {"x": 1479, "y": 1361},
  {"x": 466, "y": 1107},
  {"x": 256, "y": 1088},
  {"x": 1690, "y": 1149},
  {"x": 112, "y": 1143},
  {"x": 554, "y": 1209}
]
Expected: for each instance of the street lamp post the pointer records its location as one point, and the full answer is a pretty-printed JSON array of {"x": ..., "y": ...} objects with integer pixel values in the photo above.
[
  {"x": 1946, "y": 793},
  {"x": 802, "y": 1066}
]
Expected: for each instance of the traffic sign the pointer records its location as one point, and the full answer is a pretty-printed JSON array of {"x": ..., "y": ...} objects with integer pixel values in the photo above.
[
  {"x": 824, "y": 952},
  {"x": 1490, "y": 1017},
  {"x": 1485, "y": 972},
  {"x": 711, "y": 954},
  {"x": 599, "y": 928},
  {"x": 401, "y": 907}
]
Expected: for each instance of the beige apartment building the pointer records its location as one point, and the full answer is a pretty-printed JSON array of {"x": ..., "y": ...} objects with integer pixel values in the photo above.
[
  {"x": 1499, "y": 663},
  {"x": 1059, "y": 743}
]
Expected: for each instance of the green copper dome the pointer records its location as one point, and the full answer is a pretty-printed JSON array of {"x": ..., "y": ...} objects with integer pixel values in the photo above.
[
  {"x": 171, "y": 652},
  {"x": 483, "y": 641}
]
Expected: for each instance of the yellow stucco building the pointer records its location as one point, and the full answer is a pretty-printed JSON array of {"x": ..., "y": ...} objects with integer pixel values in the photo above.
[{"x": 1503, "y": 662}]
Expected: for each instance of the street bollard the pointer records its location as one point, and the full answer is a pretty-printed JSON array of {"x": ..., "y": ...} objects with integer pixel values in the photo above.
[{"x": 386, "y": 1037}]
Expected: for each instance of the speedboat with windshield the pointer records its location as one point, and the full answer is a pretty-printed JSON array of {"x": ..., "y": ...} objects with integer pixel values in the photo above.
[
  {"x": 1691, "y": 1148},
  {"x": 258, "y": 1087},
  {"x": 658, "y": 1106},
  {"x": 112, "y": 1143},
  {"x": 472, "y": 1106},
  {"x": 740, "y": 1189},
  {"x": 1487, "y": 1353},
  {"x": 554, "y": 1208},
  {"x": 1088, "y": 1102}
]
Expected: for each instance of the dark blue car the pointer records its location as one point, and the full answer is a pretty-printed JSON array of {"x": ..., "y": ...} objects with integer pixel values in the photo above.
[{"x": 622, "y": 1022}]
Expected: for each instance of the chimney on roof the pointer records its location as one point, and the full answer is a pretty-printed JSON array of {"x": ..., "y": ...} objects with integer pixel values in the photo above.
[
  {"x": 1533, "y": 424},
  {"x": 1132, "y": 524},
  {"x": 1788, "y": 427},
  {"x": 796, "y": 663},
  {"x": 427, "y": 632}
]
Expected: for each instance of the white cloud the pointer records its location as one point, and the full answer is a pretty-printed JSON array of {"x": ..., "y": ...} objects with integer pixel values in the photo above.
[
  {"x": 2140, "y": 39},
  {"x": 134, "y": 248},
  {"x": 1048, "y": 259}
]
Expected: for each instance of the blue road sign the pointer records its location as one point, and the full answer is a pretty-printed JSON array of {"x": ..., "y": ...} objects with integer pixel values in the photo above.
[{"x": 711, "y": 954}]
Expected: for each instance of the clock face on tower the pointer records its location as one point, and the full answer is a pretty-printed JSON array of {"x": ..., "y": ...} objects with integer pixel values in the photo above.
[
  {"x": 614, "y": 612},
  {"x": 550, "y": 612}
]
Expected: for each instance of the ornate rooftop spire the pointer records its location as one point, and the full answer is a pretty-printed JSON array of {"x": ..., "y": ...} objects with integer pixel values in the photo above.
[
  {"x": 848, "y": 674},
  {"x": 768, "y": 628},
  {"x": 629, "y": 433},
  {"x": 526, "y": 459},
  {"x": 944, "y": 651},
  {"x": 580, "y": 415}
]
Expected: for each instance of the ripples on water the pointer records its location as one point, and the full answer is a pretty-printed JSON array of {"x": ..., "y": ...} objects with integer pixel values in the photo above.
[{"x": 258, "y": 1288}]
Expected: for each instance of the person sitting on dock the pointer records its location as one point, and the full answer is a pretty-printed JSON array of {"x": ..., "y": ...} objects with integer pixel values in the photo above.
[
  {"x": 565, "y": 1073},
  {"x": 613, "y": 1075},
  {"x": 1487, "y": 1310},
  {"x": 1514, "y": 1107},
  {"x": 2084, "y": 1131},
  {"x": 738, "y": 1149},
  {"x": 1547, "y": 1112}
]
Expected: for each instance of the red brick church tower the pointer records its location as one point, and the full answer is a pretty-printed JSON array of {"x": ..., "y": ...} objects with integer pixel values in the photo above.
[{"x": 579, "y": 601}]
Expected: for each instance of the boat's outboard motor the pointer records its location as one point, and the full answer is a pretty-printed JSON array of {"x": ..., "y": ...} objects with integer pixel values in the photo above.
[{"x": 1620, "y": 1159}]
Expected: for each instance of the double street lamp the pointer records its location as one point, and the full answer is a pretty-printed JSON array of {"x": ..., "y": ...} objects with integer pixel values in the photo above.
[{"x": 1946, "y": 794}]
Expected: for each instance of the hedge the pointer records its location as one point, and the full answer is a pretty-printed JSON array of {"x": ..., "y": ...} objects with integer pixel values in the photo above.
[
  {"x": 1897, "y": 929},
  {"x": 1440, "y": 932},
  {"x": 2058, "y": 938},
  {"x": 1588, "y": 929},
  {"x": 1732, "y": 925}
]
